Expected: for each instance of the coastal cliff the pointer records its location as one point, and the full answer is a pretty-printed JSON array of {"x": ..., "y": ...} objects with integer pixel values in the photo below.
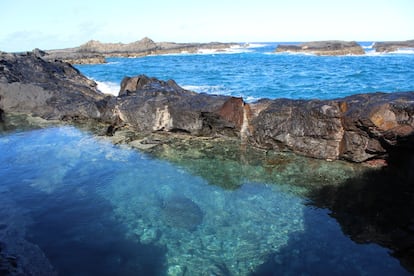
[
  {"x": 324, "y": 48},
  {"x": 95, "y": 51},
  {"x": 357, "y": 128}
]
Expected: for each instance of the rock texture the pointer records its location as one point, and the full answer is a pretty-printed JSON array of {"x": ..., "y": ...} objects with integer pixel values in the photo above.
[
  {"x": 95, "y": 51},
  {"x": 324, "y": 48},
  {"x": 51, "y": 90},
  {"x": 149, "y": 104},
  {"x": 356, "y": 128},
  {"x": 392, "y": 46}
]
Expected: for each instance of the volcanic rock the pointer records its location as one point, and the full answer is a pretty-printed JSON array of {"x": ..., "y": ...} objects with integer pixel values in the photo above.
[
  {"x": 391, "y": 46},
  {"x": 149, "y": 105},
  {"x": 50, "y": 90},
  {"x": 355, "y": 128},
  {"x": 324, "y": 48},
  {"x": 95, "y": 51}
]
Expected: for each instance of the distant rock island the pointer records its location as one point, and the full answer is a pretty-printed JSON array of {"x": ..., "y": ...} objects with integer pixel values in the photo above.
[
  {"x": 96, "y": 51},
  {"x": 324, "y": 48},
  {"x": 392, "y": 46}
]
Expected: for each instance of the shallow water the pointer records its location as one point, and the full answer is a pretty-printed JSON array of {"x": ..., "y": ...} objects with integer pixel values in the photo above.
[{"x": 93, "y": 208}]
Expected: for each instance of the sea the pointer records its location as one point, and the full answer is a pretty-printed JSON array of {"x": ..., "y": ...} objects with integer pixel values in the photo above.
[
  {"x": 255, "y": 71},
  {"x": 74, "y": 203}
]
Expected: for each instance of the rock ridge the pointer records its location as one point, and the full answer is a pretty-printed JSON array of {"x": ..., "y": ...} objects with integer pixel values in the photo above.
[
  {"x": 95, "y": 51},
  {"x": 324, "y": 48},
  {"x": 392, "y": 46}
]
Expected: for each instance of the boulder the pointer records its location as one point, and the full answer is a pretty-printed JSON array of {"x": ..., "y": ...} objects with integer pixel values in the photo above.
[
  {"x": 392, "y": 46},
  {"x": 356, "y": 128},
  {"x": 149, "y": 104},
  {"x": 50, "y": 90},
  {"x": 324, "y": 48}
]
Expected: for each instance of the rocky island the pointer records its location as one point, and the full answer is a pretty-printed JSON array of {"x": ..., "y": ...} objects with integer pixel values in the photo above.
[
  {"x": 324, "y": 48},
  {"x": 96, "y": 52},
  {"x": 391, "y": 46}
]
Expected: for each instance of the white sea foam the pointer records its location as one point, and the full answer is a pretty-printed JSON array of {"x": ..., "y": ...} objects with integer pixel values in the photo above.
[
  {"x": 405, "y": 51},
  {"x": 208, "y": 89},
  {"x": 236, "y": 49},
  {"x": 107, "y": 87},
  {"x": 250, "y": 99},
  {"x": 255, "y": 45}
]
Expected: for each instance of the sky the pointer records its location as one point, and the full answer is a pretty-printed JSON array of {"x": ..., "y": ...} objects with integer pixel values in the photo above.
[{"x": 54, "y": 24}]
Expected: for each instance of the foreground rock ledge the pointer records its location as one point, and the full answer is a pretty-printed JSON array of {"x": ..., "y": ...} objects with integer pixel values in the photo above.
[{"x": 356, "y": 128}]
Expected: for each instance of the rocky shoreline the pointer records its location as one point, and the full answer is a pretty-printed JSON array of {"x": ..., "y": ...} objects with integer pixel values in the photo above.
[
  {"x": 357, "y": 128},
  {"x": 94, "y": 52}
]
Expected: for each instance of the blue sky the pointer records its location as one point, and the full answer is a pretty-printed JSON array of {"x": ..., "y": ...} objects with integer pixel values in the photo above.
[{"x": 52, "y": 24}]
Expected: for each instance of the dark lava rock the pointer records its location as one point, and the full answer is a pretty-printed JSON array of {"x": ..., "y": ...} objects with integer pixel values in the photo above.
[
  {"x": 182, "y": 212},
  {"x": 149, "y": 104},
  {"x": 391, "y": 46},
  {"x": 325, "y": 48},
  {"x": 51, "y": 90},
  {"x": 356, "y": 128},
  {"x": 95, "y": 51}
]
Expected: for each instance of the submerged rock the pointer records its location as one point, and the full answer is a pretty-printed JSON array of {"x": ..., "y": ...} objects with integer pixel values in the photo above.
[
  {"x": 324, "y": 48},
  {"x": 182, "y": 212}
]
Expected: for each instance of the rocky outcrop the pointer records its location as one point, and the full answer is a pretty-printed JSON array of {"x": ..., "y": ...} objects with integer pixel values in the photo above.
[
  {"x": 149, "y": 104},
  {"x": 51, "y": 90},
  {"x": 356, "y": 128},
  {"x": 324, "y": 48},
  {"x": 95, "y": 51},
  {"x": 392, "y": 46}
]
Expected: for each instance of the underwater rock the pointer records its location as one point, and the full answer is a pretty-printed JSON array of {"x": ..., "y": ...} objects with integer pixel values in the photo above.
[{"x": 182, "y": 212}]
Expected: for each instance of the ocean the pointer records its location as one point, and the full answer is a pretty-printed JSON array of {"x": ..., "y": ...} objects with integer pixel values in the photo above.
[
  {"x": 77, "y": 203},
  {"x": 257, "y": 72}
]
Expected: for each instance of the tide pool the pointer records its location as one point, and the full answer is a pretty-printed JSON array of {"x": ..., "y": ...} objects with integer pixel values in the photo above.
[{"x": 75, "y": 204}]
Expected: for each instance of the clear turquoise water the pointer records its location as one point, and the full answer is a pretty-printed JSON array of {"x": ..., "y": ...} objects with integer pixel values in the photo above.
[
  {"x": 98, "y": 209},
  {"x": 255, "y": 73}
]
